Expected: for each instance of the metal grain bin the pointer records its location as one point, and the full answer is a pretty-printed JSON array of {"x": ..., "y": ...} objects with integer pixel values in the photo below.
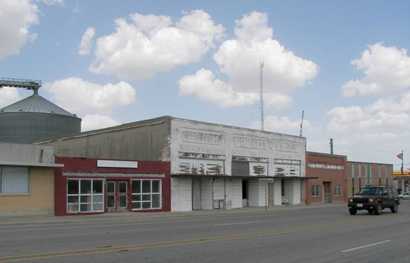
[{"x": 34, "y": 119}]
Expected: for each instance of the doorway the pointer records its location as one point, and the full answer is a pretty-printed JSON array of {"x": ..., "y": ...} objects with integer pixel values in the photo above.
[
  {"x": 327, "y": 189},
  {"x": 245, "y": 193},
  {"x": 117, "y": 196}
]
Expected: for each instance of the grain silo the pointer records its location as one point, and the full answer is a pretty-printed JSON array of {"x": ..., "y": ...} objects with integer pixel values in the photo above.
[{"x": 34, "y": 118}]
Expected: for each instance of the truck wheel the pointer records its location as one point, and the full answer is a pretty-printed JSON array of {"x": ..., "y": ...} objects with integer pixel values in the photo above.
[
  {"x": 378, "y": 210},
  {"x": 352, "y": 211},
  {"x": 394, "y": 209}
]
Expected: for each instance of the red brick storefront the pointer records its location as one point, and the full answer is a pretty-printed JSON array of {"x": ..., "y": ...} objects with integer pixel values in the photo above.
[
  {"x": 329, "y": 186},
  {"x": 90, "y": 186}
]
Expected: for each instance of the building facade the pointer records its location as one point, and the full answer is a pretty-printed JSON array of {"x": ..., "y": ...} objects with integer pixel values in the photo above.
[
  {"x": 329, "y": 180},
  {"x": 360, "y": 174},
  {"x": 90, "y": 186},
  {"x": 402, "y": 181},
  {"x": 212, "y": 166},
  {"x": 26, "y": 180}
]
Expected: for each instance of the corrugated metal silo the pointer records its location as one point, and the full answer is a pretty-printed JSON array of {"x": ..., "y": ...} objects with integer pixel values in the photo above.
[{"x": 34, "y": 119}]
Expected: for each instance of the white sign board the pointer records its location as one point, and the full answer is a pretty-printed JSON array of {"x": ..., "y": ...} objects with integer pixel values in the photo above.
[
  {"x": 117, "y": 164},
  {"x": 283, "y": 167},
  {"x": 198, "y": 166},
  {"x": 258, "y": 169}
]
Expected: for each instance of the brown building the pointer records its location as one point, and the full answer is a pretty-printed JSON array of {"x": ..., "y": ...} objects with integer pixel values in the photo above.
[
  {"x": 360, "y": 174},
  {"x": 329, "y": 178}
]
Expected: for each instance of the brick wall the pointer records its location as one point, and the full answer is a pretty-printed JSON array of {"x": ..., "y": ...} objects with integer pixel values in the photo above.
[{"x": 327, "y": 168}]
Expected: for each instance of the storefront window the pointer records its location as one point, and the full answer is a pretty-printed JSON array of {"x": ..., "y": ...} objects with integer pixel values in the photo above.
[
  {"x": 146, "y": 194},
  {"x": 85, "y": 195}
]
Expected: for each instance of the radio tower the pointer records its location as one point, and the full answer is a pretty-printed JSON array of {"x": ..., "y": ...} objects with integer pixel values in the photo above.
[{"x": 261, "y": 97}]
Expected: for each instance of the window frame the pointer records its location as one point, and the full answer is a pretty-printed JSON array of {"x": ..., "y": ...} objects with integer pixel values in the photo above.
[
  {"x": 28, "y": 192},
  {"x": 91, "y": 196},
  {"x": 141, "y": 200},
  {"x": 338, "y": 190},
  {"x": 315, "y": 190}
]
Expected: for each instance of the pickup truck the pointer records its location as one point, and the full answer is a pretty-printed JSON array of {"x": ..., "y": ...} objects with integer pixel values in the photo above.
[{"x": 374, "y": 199}]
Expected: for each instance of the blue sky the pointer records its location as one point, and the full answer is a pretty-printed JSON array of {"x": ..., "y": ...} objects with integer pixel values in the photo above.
[{"x": 367, "y": 118}]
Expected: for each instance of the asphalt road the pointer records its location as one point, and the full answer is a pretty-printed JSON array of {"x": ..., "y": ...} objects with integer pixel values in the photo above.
[{"x": 324, "y": 234}]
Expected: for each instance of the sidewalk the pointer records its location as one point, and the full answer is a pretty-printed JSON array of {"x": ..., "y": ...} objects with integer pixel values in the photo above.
[{"x": 146, "y": 216}]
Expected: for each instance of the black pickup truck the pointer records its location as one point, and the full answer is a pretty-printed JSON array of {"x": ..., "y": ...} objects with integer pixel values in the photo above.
[{"x": 374, "y": 199}]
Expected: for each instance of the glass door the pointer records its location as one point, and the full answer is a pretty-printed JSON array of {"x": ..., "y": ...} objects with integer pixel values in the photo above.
[
  {"x": 117, "y": 196},
  {"x": 111, "y": 193},
  {"x": 122, "y": 202}
]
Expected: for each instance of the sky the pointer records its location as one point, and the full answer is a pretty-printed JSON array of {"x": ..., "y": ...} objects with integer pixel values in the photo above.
[{"x": 345, "y": 63}]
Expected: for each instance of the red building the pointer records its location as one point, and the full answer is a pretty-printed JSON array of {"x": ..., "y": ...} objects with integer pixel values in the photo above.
[
  {"x": 329, "y": 173},
  {"x": 90, "y": 186}
]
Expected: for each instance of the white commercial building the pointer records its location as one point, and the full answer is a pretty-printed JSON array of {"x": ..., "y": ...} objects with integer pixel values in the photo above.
[{"x": 217, "y": 166}]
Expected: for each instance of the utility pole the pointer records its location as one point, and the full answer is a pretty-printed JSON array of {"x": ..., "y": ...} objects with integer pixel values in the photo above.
[
  {"x": 402, "y": 162},
  {"x": 301, "y": 124},
  {"x": 261, "y": 97},
  {"x": 331, "y": 146}
]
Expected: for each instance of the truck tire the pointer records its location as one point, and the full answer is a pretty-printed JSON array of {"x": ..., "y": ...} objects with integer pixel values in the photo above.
[
  {"x": 394, "y": 209},
  {"x": 352, "y": 211},
  {"x": 378, "y": 210}
]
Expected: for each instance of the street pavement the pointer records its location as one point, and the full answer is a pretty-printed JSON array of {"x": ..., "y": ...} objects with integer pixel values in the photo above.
[{"x": 303, "y": 234}]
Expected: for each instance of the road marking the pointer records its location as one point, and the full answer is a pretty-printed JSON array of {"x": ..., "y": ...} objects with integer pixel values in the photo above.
[
  {"x": 366, "y": 246},
  {"x": 240, "y": 223}
]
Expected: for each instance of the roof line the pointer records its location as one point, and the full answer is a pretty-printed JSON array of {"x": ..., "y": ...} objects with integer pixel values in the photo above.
[
  {"x": 368, "y": 162},
  {"x": 155, "y": 121}
]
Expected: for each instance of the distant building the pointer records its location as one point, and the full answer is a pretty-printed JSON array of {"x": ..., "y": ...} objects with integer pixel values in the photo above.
[
  {"x": 402, "y": 181},
  {"x": 212, "y": 166},
  {"x": 360, "y": 174},
  {"x": 328, "y": 173}
]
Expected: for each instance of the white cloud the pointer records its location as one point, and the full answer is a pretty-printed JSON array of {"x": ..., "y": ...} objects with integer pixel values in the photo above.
[
  {"x": 52, "y": 2},
  {"x": 205, "y": 86},
  {"x": 16, "y": 19},
  {"x": 375, "y": 132},
  {"x": 239, "y": 59},
  {"x": 85, "y": 98},
  {"x": 145, "y": 45},
  {"x": 381, "y": 117},
  {"x": 8, "y": 96},
  {"x": 385, "y": 69},
  {"x": 86, "y": 41},
  {"x": 284, "y": 125},
  {"x": 96, "y": 121}
]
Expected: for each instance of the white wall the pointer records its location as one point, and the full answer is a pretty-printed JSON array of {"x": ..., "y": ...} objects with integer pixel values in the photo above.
[
  {"x": 206, "y": 193},
  {"x": 219, "y": 189},
  {"x": 277, "y": 192},
  {"x": 293, "y": 191},
  {"x": 225, "y": 141},
  {"x": 205, "y": 141},
  {"x": 296, "y": 192},
  {"x": 234, "y": 193},
  {"x": 181, "y": 194},
  {"x": 257, "y": 193}
]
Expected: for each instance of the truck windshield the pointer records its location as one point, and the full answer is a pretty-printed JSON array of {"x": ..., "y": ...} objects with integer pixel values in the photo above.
[{"x": 370, "y": 191}]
